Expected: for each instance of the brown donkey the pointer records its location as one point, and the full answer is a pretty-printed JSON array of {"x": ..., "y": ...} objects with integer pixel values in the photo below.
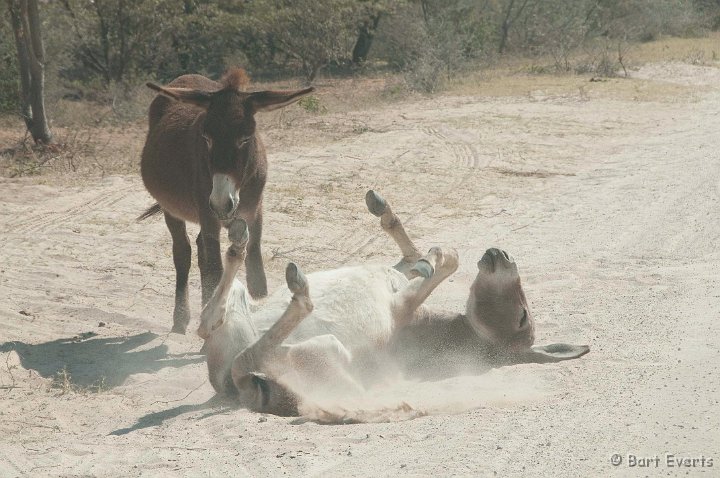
[{"x": 203, "y": 162}]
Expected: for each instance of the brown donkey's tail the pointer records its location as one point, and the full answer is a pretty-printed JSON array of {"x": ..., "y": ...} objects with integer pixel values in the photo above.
[{"x": 150, "y": 212}]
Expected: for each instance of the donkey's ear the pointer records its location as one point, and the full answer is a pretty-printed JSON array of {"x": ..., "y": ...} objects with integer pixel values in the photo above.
[
  {"x": 186, "y": 95},
  {"x": 553, "y": 353},
  {"x": 272, "y": 100}
]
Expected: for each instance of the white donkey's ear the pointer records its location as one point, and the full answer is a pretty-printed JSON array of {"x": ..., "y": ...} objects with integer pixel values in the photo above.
[{"x": 553, "y": 353}]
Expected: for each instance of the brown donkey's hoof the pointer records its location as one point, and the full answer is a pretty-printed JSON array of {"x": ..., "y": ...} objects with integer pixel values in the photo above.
[
  {"x": 181, "y": 318},
  {"x": 238, "y": 231},
  {"x": 375, "y": 203},
  {"x": 296, "y": 280}
]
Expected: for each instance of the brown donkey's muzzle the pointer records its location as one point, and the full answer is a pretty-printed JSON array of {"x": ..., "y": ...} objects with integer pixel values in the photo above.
[{"x": 224, "y": 197}]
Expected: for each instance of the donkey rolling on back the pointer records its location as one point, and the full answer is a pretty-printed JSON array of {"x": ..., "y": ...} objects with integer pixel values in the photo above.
[
  {"x": 331, "y": 331},
  {"x": 202, "y": 162}
]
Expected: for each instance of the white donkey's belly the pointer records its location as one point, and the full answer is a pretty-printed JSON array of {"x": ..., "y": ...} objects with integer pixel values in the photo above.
[{"x": 351, "y": 303}]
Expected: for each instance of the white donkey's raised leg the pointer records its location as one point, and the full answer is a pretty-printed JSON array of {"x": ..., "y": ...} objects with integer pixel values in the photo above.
[
  {"x": 425, "y": 272},
  {"x": 433, "y": 268},
  {"x": 391, "y": 224},
  {"x": 251, "y": 367},
  {"x": 213, "y": 314}
]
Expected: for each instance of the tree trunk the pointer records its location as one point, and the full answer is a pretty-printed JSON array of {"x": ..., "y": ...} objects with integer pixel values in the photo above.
[
  {"x": 313, "y": 70},
  {"x": 111, "y": 71},
  {"x": 31, "y": 62},
  {"x": 508, "y": 22},
  {"x": 505, "y": 27},
  {"x": 23, "y": 56},
  {"x": 189, "y": 7},
  {"x": 364, "y": 41}
]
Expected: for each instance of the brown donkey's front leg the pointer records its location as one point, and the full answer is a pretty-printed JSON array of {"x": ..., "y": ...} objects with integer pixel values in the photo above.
[
  {"x": 255, "y": 270},
  {"x": 181, "y": 257},
  {"x": 209, "y": 256}
]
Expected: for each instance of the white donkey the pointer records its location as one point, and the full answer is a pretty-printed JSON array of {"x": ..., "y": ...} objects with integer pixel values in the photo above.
[{"x": 357, "y": 313}]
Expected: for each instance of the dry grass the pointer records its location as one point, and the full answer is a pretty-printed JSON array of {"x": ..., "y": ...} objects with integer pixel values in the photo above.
[
  {"x": 501, "y": 84},
  {"x": 63, "y": 383},
  {"x": 78, "y": 153},
  {"x": 686, "y": 50},
  {"x": 534, "y": 77}
]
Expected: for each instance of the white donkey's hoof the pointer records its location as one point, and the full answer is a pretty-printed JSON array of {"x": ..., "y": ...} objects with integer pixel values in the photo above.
[
  {"x": 375, "y": 203},
  {"x": 423, "y": 268},
  {"x": 296, "y": 280},
  {"x": 238, "y": 231}
]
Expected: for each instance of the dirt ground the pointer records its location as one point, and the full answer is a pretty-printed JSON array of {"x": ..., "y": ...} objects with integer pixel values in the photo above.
[{"x": 611, "y": 207}]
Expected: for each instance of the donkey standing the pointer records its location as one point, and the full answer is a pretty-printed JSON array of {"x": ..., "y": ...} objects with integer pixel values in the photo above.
[{"x": 203, "y": 162}]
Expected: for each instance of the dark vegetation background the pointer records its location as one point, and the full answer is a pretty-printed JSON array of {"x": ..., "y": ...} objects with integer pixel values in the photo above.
[{"x": 100, "y": 53}]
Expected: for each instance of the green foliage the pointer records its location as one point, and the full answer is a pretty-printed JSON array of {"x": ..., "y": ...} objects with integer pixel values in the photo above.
[
  {"x": 556, "y": 28},
  {"x": 117, "y": 40},
  {"x": 431, "y": 40},
  {"x": 645, "y": 20},
  {"x": 311, "y": 32},
  {"x": 101, "y": 49},
  {"x": 311, "y": 104},
  {"x": 709, "y": 10}
]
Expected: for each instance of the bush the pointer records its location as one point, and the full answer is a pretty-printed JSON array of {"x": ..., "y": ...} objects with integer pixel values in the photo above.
[
  {"x": 430, "y": 46},
  {"x": 311, "y": 32},
  {"x": 645, "y": 20},
  {"x": 117, "y": 40}
]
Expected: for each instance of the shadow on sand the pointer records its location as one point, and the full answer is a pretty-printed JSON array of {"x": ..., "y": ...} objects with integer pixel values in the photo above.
[
  {"x": 155, "y": 419},
  {"x": 97, "y": 361}
]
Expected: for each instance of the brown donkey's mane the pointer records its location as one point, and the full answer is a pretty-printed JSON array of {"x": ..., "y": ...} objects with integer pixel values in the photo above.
[{"x": 236, "y": 79}]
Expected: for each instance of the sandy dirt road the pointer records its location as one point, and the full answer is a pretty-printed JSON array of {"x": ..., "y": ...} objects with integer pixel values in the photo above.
[{"x": 610, "y": 207}]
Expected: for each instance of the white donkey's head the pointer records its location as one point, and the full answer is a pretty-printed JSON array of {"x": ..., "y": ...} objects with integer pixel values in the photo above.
[{"x": 497, "y": 308}]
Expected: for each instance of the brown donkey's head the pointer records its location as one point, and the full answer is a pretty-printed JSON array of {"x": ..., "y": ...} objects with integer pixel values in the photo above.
[
  {"x": 497, "y": 308},
  {"x": 228, "y": 127}
]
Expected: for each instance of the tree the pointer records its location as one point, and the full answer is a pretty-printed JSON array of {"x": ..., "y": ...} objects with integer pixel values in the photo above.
[
  {"x": 113, "y": 36},
  {"x": 511, "y": 13},
  {"x": 115, "y": 41},
  {"x": 366, "y": 34},
  {"x": 370, "y": 13},
  {"x": 25, "y": 18},
  {"x": 312, "y": 32}
]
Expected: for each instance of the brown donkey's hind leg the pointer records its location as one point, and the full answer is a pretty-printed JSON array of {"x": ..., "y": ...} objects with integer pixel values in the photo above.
[
  {"x": 432, "y": 269},
  {"x": 181, "y": 257},
  {"x": 391, "y": 224}
]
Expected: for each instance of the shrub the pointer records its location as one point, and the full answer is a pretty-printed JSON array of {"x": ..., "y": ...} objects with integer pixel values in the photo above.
[
  {"x": 430, "y": 44},
  {"x": 311, "y": 32}
]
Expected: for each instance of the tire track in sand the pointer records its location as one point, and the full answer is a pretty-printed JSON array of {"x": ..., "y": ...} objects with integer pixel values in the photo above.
[
  {"x": 98, "y": 202},
  {"x": 463, "y": 153}
]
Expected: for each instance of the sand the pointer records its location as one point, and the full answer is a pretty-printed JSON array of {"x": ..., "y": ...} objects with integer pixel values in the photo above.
[{"x": 610, "y": 207}]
